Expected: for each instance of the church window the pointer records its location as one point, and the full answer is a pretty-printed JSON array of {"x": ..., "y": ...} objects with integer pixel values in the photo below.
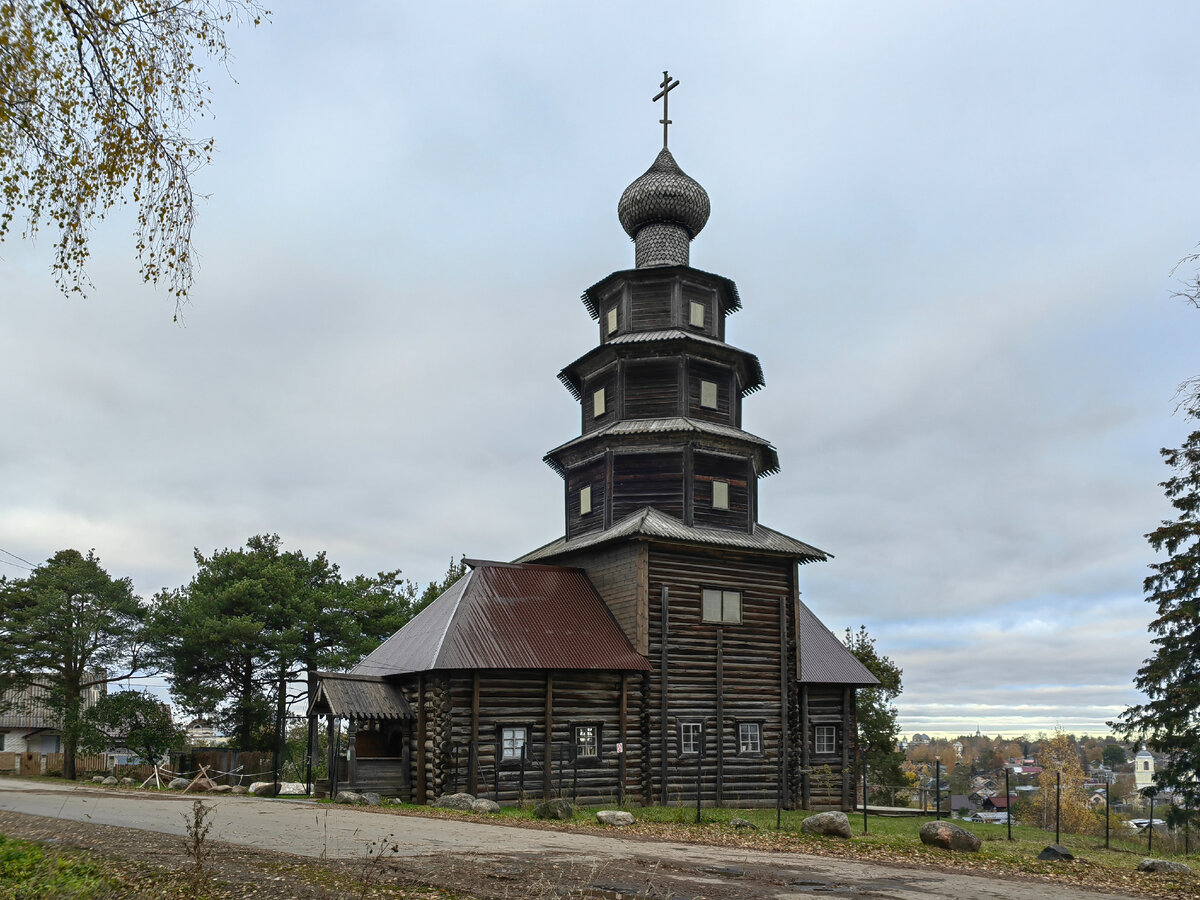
[
  {"x": 749, "y": 738},
  {"x": 691, "y": 738},
  {"x": 696, "y": 314},
  {"x": 512, "y": 742},
  {"x": 598, "y": 403},
  {"x": 826, "y": 739},
  {"x": 587, "y": 740},
  {"x": 722, "y": 607},
  {"x": 708, "y": 394},
  {"x": 611, "y": 320},
  {"x": 585, "y": 500},
  {"x": 720, "y": 494}
]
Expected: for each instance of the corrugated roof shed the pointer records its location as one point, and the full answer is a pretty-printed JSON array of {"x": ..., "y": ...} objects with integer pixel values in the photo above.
[
  {"x": 824, "y": 659},
  {"x": 506, "y": 616},
  {"x": 650, "y": 522},
  {"x": 358, "y": 697}
]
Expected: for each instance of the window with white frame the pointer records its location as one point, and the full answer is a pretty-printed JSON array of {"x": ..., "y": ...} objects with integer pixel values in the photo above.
[
  {"x": 749, "y": 737},
  {"x": 587, "y": 740},
  {"x": 598, "y": 403},
  {"x": 720, "y": 494},
  {"x": 611, "y": 321},
  {"x": 708, "y": 394},
  {"x": 723, "y": 607},
  {"x": 691, "y": 738},
  {"x": 825, "y": 739},
  {"x": 585, "y": 500},
  {"x": 512, "y": 742},
  {"x": 696, "y": 314}
]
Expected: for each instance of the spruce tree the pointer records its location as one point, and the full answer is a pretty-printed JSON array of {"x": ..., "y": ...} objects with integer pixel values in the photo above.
[{"x": 1170, "y": 718}]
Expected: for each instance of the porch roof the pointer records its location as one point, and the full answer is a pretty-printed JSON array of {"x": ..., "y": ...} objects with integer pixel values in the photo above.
[{"x": 358, "y": 697}]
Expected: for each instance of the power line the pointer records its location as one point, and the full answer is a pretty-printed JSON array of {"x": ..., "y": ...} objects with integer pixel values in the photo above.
[
  {"x": 14, "y": 556},
  {"x": 16, "y": 565}
]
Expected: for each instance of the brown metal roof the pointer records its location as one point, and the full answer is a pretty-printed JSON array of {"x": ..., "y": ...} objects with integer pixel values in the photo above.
[
  {"x": 358, "y": 697},
  {"x": 653, "y": 523},
  {"x": 824, "y": 659},
  {"x": 506, "y": 616}
]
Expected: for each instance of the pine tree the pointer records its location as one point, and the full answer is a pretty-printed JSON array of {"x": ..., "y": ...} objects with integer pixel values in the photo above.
[{"x": 1170, "y": 718}]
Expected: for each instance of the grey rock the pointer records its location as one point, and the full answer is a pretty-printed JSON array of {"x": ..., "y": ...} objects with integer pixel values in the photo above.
[
  {"x": 1056, "y": 852},
  {"x": 831, "y": 824},
  {"x": 222, "y": 789},
  {"x": 372, "y": 798},
  {"x": 949, "y": 836},
  {"x": 484, "y": 805},
  {"x": 178, "y": 784},
  {"x": 617, "y": 818},
  {"x": 127, "y": 781},
  {"x": 239, "y": 789},
  {"x": 97, "y": 779},
  {"x": 109, "y": 780},
  {"x": 554, "y": 809},
  {"x": 1164, "y": 865},
  {"x": 455, "y": 801},
  {"x": 349, "y": 797},
  {"x": 264, "y": 789}
]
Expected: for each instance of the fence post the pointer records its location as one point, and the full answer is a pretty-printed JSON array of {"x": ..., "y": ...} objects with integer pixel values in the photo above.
[
  {"x": 937, "y": 796},
  {"x": 1057, "y": 797},
  {"x": 1106, "y": 809},
  {"x": 1007, "y": 804},
  {"x": 1150, "y": 828},
  {"x": 575, "y": 773},
  {"x": 521, "y": 784},
  {"x": 699, "y": 773},
  {"x": 864, "y": 764},
  {"x": 621, "y": 774}
]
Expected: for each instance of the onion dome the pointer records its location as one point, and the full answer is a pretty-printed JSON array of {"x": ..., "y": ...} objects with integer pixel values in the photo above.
[{"x": 662, "y": 211}]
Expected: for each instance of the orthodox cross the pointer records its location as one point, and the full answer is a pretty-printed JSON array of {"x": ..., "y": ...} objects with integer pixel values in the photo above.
[{"x": 667, "y": 86}]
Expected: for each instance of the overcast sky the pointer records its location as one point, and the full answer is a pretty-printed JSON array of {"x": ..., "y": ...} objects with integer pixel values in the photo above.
[{"x": 952, "y": 226}]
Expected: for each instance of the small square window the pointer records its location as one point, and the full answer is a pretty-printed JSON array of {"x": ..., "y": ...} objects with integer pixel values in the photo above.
[
  {"x": 611, "y": 321},
  {"x": 826, "y": 739},
  {"x": 722, "y": 607},
  {"x": 720, "y": 494},
  {"x": 512, "y": 742},
  {"x": 598, "y": 403},
  {"x": 708, "y": 394},
  {"x": 749, "y": 737},
  {"x": 585, "y": 500},
  {"x": 691, "y": 738},
  {"x": 587, "y": 740},
  {"x": 696, "y": 314}
]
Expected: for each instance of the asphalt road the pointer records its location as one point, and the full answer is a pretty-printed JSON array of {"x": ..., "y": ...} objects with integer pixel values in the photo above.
[{"x": 307, "y": 829}]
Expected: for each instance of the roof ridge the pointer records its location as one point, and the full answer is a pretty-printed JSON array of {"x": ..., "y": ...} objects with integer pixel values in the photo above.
[{"x": 458, "y": 604}]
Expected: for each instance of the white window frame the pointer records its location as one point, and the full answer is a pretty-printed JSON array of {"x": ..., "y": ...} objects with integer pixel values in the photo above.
[
  {"x": 611, "y": 320},
  {"x": 750, "y": 738},
  {"x": 708, "y": 394},
  {"x": 585, "y": 500},
  {"x": 587, "y": 747},
  {"x": 513, "y": 738},
  {"x": 720, "y": 495},
  {"x": 825, "y": 739},
  {"x": 598, "y": 405},
  {"x": 696, "y": 310},
  {"x": 691, "y": 738},
  {"x": 720, "y": 607}
]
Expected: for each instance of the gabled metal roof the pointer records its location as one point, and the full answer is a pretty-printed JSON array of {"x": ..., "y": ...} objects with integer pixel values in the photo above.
[
  {"x": 648, "y": 522},
  {"x": 671, "y": 425},
  {"x": 358, "y": 697},
  {"x": 506, "y": 616},
  {"x": 824, "y": 659}
]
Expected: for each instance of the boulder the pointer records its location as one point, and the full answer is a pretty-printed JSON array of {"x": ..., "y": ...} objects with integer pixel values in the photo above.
[
  {"x": 239, "y": 789},
  {"x": 109, "y": 780},
  {"x": 178, "y": 784},
  {"x": 1164, "y": 865},
  {"x": 203, "y": 784},
  {"x": 222, "y": 789},
  {"x": 292, "y": 787},
  {"x": 484, "y": 805},
  {"x": 554, "y": 809},
  {"x": 455, "y": 801},
  {"x": 349, "y": 797},
  {"x": 831, "y": 824},
  {"x": 97, "y": 779},
  {"x": 617, "y": 818},
  {"x": 948, "y": 836},
  {"x": 128, "y": 781},
  {"x": 1056, "y": 852},
  {"x": 744, "y": 824},
  {"x": 371, "y": 798}
]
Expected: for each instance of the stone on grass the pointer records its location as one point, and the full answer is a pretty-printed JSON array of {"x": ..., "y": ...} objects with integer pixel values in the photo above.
[
  {"x": 178, "y": 784},
  {"x": 292, "y": 787},
  {"x": 831, "y": 824},
  {"x": 349, "y": 797},
  {"x": 1164, "y": 865},
  {"x": 109, "y": 780},
  {"x": 948, "y": 836},
  {"x": 97, "y": 779},
  {"x": 127, "y": 781},
  {"x": 554, "y": 809},
  {"x": 239, "y": 789},
  {"x": 222, "y": 789},
  {"x": 1056, "y": 852},
  {"x": 264, "y": 789},
  {"x": 617, "y": 818},
  {"x": 455, "y": 801},
  {"x": 372, "y": 798},
  {"x": 746, "y": 824},
  {"x": 484, "y": 805}
]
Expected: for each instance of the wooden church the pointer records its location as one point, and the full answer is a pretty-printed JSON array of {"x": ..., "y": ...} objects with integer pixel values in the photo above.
[{"x": 660, "y": 646}]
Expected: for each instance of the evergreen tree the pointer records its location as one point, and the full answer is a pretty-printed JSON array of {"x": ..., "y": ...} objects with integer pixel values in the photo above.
[
  {"x": 878, "y": 724},
  {"x": 1170, "y": 718}
]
